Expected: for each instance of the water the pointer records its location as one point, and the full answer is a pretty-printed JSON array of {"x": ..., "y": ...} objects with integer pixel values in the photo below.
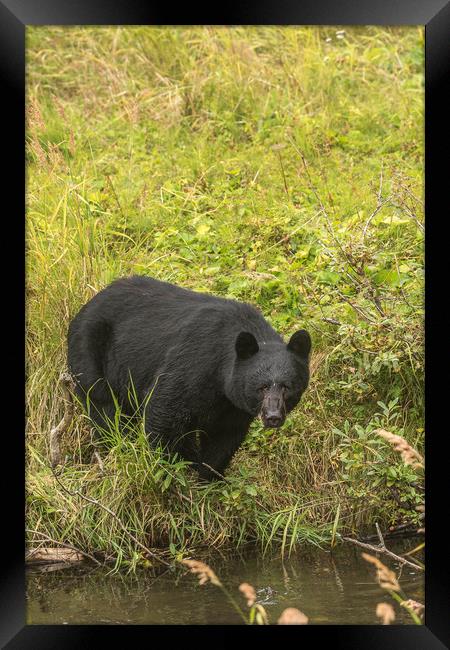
[{"x": 330, "y": 588}]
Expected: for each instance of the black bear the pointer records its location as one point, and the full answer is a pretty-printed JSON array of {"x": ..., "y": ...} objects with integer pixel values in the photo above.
[{"x": 210, "y": 365}]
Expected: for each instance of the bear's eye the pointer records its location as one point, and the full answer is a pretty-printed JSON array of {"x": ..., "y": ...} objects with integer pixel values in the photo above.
[{"x": 264, "y": 387}]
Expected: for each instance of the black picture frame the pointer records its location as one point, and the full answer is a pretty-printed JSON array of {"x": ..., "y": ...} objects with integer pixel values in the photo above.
[{"x": 15, "y": 15}]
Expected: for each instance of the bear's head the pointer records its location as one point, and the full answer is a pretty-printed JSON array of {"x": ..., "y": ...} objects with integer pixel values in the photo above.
[{"x": 269, "y": 377}]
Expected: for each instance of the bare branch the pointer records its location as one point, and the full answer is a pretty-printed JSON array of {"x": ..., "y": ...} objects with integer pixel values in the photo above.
[
  {"x": 113, "y": 514},
  {"x": 68, "y": 385},
  {"x": 373, "y": 215},
  {"x": 215, "y": 472},
  {"x": 377, "y": 549}
]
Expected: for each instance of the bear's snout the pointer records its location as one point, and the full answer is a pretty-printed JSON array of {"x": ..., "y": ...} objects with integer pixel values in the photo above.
[
  {"x": 272, "y": 422},
  {"x": 273, "y": 411}
]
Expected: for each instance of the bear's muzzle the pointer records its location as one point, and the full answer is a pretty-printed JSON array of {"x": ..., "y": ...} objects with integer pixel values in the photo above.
[{"x": 273, "y": 410}]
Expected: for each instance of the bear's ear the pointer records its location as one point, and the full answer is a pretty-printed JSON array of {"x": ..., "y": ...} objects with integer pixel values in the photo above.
[
  {"x": 246, "y": 345},
  {"x": 300, "y": 343}
]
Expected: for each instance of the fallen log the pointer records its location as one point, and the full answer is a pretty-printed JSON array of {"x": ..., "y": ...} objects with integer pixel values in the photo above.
[{"x": 47, "y": 555}]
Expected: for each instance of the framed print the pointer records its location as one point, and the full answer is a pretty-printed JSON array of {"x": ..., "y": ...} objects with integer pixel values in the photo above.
[{"x": 231, "y": 322}]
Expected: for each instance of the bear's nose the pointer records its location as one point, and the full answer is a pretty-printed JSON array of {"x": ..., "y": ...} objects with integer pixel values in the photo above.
[{"x": 273, "y": 420}]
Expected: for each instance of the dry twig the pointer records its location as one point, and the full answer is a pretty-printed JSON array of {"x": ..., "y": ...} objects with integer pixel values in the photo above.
[
  {"x": 113, "y": 514},
  {"x": 67, "y": 385},
  {"x": 384, "y": 550}
]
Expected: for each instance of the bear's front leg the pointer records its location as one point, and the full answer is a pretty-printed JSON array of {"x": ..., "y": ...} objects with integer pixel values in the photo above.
[{"x": 218, "y": 446}]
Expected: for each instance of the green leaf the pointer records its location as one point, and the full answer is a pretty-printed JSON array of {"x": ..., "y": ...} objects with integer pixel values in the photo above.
[{"x": 328, "y": 277}]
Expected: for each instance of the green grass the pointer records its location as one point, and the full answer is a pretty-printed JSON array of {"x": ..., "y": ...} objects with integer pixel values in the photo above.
[{"x": 280, "y": 166}]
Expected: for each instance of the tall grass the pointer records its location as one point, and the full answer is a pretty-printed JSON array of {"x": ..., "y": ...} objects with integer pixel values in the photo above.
[{"x": 281, "y": 166}]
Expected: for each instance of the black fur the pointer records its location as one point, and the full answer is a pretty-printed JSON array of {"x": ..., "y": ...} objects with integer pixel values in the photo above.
[{"x": 213, "y": 366}]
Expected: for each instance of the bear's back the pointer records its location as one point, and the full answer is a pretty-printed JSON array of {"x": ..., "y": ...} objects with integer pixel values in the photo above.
[{"x": 143, "y": 297}]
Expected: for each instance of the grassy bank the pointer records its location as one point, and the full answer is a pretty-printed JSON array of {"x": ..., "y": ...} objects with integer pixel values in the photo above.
[{"x": 279, "y": 166}]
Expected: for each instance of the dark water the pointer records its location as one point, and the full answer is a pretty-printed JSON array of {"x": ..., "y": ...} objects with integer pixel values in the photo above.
[{"x": 337, "y": 587}]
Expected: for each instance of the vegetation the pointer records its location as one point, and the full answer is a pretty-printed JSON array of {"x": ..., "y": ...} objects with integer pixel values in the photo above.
[{"x": 277, "y": 165}]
